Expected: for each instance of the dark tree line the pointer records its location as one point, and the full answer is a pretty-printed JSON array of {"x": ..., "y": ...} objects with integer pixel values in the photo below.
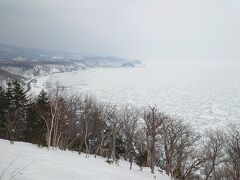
[{"x": 146, "y": 136}]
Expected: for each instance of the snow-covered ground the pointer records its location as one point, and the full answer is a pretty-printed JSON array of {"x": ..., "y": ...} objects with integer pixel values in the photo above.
[
  {"x": 206, "y": 94},
  {"x": 35, "y": 163}
]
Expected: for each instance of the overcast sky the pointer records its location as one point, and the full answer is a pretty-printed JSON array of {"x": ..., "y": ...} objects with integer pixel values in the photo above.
[{"x": 144, "y": 29}]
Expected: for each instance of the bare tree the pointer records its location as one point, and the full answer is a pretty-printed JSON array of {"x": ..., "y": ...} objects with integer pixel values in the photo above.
[
  {"x": 86, "y": 121},
  {"x": 140, "y": 143},
  {"x": 153, "y": 120},
  {"x": 213, "y": 152},
  {"x": 129, "y": 124},
  {"x": 113, "y": 123},
  {"x": 49, "y": 114},
  {"x": 97, "y": 128},
  {"x": 180, "y": 156},
  {"x": 232, "y": 150},
  {"x": 68, "y": 120}
]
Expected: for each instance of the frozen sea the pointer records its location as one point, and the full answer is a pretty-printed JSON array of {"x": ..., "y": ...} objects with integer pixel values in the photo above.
[{"x": 204, "y": 93}]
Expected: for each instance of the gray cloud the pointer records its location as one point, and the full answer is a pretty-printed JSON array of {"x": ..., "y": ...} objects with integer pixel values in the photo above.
[{"x": 145, "y": 29}]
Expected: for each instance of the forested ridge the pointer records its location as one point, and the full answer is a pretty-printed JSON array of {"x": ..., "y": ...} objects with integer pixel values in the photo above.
[{"x": 145, "y": 136}]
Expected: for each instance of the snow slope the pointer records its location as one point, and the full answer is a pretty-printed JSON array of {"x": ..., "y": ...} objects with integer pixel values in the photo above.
[{"x": 40, "y": 164}]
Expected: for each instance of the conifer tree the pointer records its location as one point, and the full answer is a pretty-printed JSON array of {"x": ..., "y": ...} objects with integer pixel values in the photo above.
[
  {"x": 120, "y": 147},
  {"x": 3, "y": 108},
  {"x": 16, "y": 112},
  {"x": 31, "y": 122},
  {"x": 39, "y": 127}
]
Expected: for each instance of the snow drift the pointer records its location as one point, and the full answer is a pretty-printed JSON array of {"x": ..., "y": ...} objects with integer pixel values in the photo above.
[{"x": 29, "y": 162}]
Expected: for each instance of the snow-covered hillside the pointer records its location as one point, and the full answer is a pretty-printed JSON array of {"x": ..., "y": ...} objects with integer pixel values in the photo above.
[
  {"x": 43, "y": 69},
  {"x": 35, "y": 163},
  {"x": 35, "y": 70}
]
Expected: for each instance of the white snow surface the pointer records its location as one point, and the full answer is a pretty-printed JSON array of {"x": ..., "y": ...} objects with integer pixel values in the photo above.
[
  {"x": 40, "y": 164},
  {"x": 206, "y": 94}
]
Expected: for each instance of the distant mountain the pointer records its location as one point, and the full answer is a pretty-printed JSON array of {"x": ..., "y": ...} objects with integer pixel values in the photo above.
[{"x": 8, "y": 52}]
